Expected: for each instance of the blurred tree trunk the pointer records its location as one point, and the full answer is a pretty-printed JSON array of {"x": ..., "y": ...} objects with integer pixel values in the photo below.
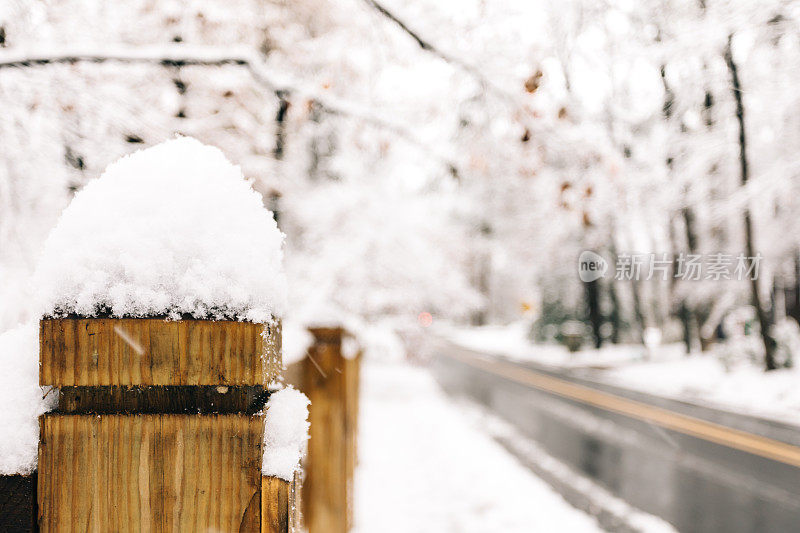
[
  {"x": 684, "y": 312},
  {"x": 789, "y": 297},
  {"x": 688, "y": 317},
  {"x": 615, "y": 316},
  {"x": 793, "y": 294},
  {"x": 481, "y": 277},
  {"x": 637, "y": 310},
  {"x": 763, "y": 319},
  {"x": 594, "y": 312},
  {"x": 280, "y": 125}
]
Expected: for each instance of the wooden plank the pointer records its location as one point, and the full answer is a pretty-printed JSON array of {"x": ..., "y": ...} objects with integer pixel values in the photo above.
[
  {"x": 333, "y": 382},
  {"x": 295, "y": 492},
  {"x": 352, "y": 374},
  {"x": 18, "y": 503},
  {"x": 274, "y": 505},
  {"x": 150, "y": 472},
  {"x": 153, "y": 351},
  {"x": 293, "y": 373},
  {"x": 325, "y": 488},
  {"x": 272, "y": 348}
]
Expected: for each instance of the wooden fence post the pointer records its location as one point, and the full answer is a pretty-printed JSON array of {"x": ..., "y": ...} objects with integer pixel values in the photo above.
[
  {"x": 331, "y": 382},
  {"x": 158, "y": 427},
  {"x": 352, "y": 372}
]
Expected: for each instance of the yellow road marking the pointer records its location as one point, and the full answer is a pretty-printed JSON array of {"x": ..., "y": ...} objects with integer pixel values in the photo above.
[{"x": 689, "y": 425}]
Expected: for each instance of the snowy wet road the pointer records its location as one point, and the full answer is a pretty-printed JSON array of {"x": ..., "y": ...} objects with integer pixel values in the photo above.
[{"x": 699, "y": 468}]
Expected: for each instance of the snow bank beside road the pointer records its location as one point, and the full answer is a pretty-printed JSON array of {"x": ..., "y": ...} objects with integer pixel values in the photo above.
[
  {"x": 702, "y": 378},
  {"x": 425, "y": 466},
  {"x": 513, "y": 341}
]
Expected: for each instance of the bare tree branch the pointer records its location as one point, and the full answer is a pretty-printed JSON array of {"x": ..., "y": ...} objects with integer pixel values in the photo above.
[
  {"x": 425, "y": 45},
  {"x": 178, "y": 55},
  {"x": 430, "y": 47}
]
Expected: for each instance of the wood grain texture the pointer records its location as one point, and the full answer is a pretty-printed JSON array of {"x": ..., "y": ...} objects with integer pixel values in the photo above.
[
  {"x": 333, "y": 384},
  {"x": 352, "y": 376},
  {"x": 295, "y": 514},
  {"x": 18, "y": 503},
  {"x": 275, "y": 505},
  {"x": 152, "y": 351},
  {"x": 325, "y": 488},
  {"x": 279, "y": 509},
  {"x": 150, "y": 473}
]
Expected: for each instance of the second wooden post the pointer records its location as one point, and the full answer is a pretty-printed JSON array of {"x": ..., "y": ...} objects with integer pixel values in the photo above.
[{"x": 327, "y": 483}]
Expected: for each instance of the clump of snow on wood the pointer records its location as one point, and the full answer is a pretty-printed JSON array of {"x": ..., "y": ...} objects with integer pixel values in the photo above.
[
  {"x": 285, "y": 433},
  {"x": 21, "y": 400},
  {"x": 350, "y": 347},
  {"x": 169, "y": 230}
]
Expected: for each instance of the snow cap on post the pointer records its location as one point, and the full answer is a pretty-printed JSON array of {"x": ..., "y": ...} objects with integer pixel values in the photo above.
[{"x": 171, "y": 230}]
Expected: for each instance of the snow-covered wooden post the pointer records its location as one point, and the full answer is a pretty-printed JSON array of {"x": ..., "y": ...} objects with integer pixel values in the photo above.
[
  {"x": 153, "y": 430},
  {"x": 329, "y": 375},
  {"x": 162, "y": 339}
]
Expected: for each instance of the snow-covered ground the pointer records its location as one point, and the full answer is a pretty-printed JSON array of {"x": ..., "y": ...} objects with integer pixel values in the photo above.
[
  {"x": 426, "y": 465},
  {"x": 665, "y": 370},
  {"x": 512, "y": 341},
  {"x": 702, "y": 378}
]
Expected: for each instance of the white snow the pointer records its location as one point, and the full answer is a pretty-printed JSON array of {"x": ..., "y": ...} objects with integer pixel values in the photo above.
[
  {"x": 703, "y": 378},
  {"x": 350, "y": 347},
  {"x": 169, "y": 230},
  {"x": 295, "y": 340},
  {"x": 512, "y": 341},
  {"x": 426, "y": 465},
  {"x": 285, "y": 433},
  {"x": 21, "y": 399}
]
